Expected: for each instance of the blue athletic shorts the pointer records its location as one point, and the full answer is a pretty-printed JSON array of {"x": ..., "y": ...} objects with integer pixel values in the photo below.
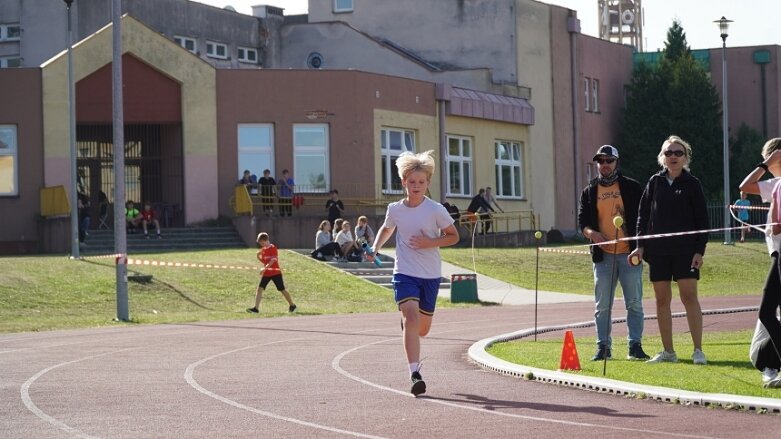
[{"x": 425, "y": 291}]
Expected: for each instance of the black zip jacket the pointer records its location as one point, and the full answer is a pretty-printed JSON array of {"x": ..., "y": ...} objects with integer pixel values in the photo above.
[
  {"x": 670, "y": 208},
  {"x": 587, "y": 214}
]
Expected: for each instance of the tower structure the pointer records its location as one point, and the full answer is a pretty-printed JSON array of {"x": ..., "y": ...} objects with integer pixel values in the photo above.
[{"x": 621, "y": 21}]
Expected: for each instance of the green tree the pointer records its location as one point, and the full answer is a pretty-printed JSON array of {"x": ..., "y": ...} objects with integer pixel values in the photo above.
[
  {"x": 673, "y": 97},
  {"x": 745, "y": 152}
]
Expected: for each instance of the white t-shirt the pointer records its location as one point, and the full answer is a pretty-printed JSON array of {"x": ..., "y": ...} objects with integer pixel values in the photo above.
[
  {"x": 344, "y": 237},
  {"x": 428, "y": 218},
  {"x": 766, "y": 191},
  {"x": 322, "y": 238}
]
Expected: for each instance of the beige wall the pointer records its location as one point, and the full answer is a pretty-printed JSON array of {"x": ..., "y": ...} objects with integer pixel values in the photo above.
[
  {"x": 484, "y": 134},
  {"x": 198, "y": 108},
  {"x": 535, "y": 71}
]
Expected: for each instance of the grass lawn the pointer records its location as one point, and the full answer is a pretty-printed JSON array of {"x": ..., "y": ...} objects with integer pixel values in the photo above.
[
  {"x": 728, "y": 369},
  {"x": 728, "y": 269}
]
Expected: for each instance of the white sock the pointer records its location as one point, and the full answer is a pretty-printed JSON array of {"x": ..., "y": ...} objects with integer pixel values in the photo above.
[{"x": 413, "y": 367}]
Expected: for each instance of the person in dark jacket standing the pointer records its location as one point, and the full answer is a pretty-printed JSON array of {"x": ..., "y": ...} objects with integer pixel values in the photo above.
[
  {"x": 607, "y": 196},
  {"x": 673, "y": 201}
]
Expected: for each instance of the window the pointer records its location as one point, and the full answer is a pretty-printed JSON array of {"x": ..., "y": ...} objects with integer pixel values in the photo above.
[
  {"x": 216, "y": 50},
  {"x": 10, "y": 61},
  {"x": 343, "y": 5},
  {"x": 188, "y": 43},
  {"x": 509, "y": 163},
  {"x": 459, "y": 165},
  {"x": 310, "y": 157},
  {"x": 248, "y": 55},
  {"x": 587, "y": 92},
  {"x": 595, "y": 95},
  {"x": 392, "y": 143},
  {"x": 256, "y": 148},
  {"x": 10, "y": 32},
  {"x": 8, "y": 161}
]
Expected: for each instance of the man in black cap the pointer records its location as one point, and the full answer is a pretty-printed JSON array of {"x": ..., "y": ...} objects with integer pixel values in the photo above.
[{"x": 607, "y": 196}]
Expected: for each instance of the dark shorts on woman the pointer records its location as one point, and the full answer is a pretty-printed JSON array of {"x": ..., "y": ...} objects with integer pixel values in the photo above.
[
  {"x": 671, "y": 267},
  {"x": 277, "y": 279}
]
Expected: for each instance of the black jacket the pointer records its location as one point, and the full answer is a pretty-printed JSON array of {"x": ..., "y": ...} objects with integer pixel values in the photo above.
[
  {"x": 666, "y": 208},
  {"x": 477, "y": 203},
  {"x": 587, "y": 214}
]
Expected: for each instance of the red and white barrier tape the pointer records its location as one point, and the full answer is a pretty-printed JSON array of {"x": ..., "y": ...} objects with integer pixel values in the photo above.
[{"x": 556, "y": 250}]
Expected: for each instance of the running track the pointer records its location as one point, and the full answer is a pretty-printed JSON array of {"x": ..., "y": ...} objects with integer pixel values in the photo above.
[{"x": 328, "y": 376}]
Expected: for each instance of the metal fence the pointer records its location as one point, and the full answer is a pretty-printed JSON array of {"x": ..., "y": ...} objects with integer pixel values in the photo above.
[{"x": 756, "y": 217}]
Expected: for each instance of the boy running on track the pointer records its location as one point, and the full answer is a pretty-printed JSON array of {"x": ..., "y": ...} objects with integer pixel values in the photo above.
[
  {"x": 267, "y": 255},
  {"x": 422, "y": 226}
]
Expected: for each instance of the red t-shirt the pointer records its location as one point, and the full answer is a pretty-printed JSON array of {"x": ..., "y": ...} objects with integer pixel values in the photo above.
[
  {"x": 267, "y": 254},
  {"x": 148, "y": 215}
]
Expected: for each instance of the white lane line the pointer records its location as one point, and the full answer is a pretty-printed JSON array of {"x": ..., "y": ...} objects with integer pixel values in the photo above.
[
  {"x": 335, "y": 364},
  {"x": 28, "y": 402},
  {"x": 188, "y": 376}
]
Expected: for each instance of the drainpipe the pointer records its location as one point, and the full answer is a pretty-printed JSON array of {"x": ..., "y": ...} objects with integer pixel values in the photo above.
[
  {"x": 762, "y": 57},
  {"x": 573, "y": 27},
  {"x": 443, "y": 92}
]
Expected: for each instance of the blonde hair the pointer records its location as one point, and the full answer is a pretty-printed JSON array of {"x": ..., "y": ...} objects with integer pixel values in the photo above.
[
  {"x": 363, "y": 218},
  {"x": 262, "y": 236},
  {"x": 323, "y": 224},
  {"x": 409, "y": 162},
  {"x": 771, "y": 146},
  {"x": 672, "y": 140}
]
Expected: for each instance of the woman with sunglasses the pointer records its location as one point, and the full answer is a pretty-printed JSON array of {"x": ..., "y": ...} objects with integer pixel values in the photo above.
[{"x": 673, "y": 201}]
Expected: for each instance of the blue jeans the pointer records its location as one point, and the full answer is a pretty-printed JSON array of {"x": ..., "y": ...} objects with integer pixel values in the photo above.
[{"x": 631, "y": 278}]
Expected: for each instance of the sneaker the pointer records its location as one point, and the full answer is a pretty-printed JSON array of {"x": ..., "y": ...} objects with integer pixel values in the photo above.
[
  {"x": 253, "y": 310},
  {"x": 664, "y": 356},
  {"x": 636, "y": 352},
  {"x": 418, "y": 385},
  {"x": 770, "y": 378},
  {"x": 602, "y": 352},
  {"x": 698, "y": 357},
  {"x": 292, "y": 308}
]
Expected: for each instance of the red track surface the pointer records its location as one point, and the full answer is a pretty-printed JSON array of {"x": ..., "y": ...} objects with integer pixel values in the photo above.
[{"x": 328, "y": 376}]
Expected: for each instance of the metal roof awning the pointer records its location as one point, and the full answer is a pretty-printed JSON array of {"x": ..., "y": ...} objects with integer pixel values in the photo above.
[{"x": 482, "y": 105}]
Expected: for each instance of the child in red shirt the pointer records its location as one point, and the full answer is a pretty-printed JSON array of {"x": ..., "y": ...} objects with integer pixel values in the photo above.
[
  {"x": 148, "y": 218},
  {"x": 267, "y": 255}
]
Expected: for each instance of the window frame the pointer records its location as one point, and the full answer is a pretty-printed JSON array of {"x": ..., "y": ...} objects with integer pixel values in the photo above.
[
  {"x": 245, "y": 58},
  {"x": 13, "y": 152},
  {"x": 388, "y": 157},
  {"x": 4, "y": 61},
  {"x": 340, "y": 10},
  {"x": 461, "y": 159},
  {"x": 517, "y": 181},
  {"x": 300, "y": 151},
  {"x": 595, "y": 95},
  {"x": 4, "y": 31},
  {"x": 211, "y": 49},
  {"x": 182, "y": 42},
  {"x": 259, "y": 150},
  {"x": 587, "y": 93}
]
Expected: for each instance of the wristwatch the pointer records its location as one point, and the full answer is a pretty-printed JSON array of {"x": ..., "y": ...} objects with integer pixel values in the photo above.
[{"x": 762, "y": 165}]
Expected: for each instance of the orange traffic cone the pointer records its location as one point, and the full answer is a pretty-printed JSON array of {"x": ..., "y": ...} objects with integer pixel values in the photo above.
[{"x": 569, "y": 353}]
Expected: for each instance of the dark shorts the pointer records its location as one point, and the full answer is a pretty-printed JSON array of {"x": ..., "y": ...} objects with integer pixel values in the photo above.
[
  {"x": 424, "y": 291},
  {"x": 277, "y": 279},
  {"x": 671, "y": 267}
]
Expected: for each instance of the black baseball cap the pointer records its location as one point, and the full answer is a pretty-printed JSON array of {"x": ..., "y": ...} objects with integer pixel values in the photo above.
[{"x": 606, "y": 150}]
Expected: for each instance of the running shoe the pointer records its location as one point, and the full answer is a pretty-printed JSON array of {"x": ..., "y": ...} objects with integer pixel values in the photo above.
[
  {"x": 664, "y": 357},
  {"x": 698, "y": 357},
  {"x": 418, "y": 385},
  {"x": 253, "y": 310},
  {"x": 636, "y": 352}
]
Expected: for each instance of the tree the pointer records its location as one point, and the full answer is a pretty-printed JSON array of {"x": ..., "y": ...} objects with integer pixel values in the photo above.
[
  {"x": 674, "y": 96},
  {"x": 745, "y": 152}
]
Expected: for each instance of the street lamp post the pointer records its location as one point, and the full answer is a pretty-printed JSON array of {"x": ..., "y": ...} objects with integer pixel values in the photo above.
[
  {"x": 723, "y": 28},
  {"x": 72, "y": 144}
]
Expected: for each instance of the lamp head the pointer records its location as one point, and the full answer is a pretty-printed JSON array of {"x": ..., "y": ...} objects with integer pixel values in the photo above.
[
  {"x": 723, "y": 23},
  {"x": 68, "y": 3}
]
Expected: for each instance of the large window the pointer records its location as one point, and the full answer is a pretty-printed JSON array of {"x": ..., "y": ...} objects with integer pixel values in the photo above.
[
  {"x": 216, "y": 50},
  {"x": 509, "y": 166},
  {"x": 459, "y": 165},
  {"x": 188, "y": 43},
  {"x": 343, "y": 5},
  {"x": 595, "y": 95},
  {"x": 392, "y": 143},
  {"x": 10, "y": 32},
  {"x": 10, "y": 61},
  {"x": 9, "y": 177},
  {"x": 586, "y": 93},
  {"x": 310, "y": 157},
  {"x": 256, "y": 148},
  {"x": 248, "y": 55}
]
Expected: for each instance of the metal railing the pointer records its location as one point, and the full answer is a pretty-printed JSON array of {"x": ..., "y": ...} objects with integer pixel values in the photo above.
[{"x": 757, "y": 217}]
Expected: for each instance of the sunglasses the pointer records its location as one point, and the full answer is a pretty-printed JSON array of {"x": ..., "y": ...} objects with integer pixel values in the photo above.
[
  {"x": 605, "y": 161},
  {"x": 677, "y": 153}
]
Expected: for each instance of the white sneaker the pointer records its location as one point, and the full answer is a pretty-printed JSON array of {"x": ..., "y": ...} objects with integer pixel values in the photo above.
[
  {"x": 698, "y": 357},
  {"x": 664, "y": 356},
  {"x": 769, "y": 377}
]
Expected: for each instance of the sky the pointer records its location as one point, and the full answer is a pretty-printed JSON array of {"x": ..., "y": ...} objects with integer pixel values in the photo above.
[{"x": 755, "y": 21}]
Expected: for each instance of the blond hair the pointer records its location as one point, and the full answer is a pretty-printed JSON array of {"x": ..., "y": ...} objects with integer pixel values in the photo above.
[
  {"x": 409, "y": 162},
  {"x": 363, "y": 218},
  {"x": 323, "y": 224},
  {"x": 673, "y": 140},
  {"x": 262, "y": 236},
  {"x": 771, "y": 146}
]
